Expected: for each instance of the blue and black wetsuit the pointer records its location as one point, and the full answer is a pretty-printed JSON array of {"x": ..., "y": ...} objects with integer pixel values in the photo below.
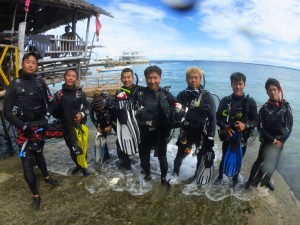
[{"x": 242, "y": 108}]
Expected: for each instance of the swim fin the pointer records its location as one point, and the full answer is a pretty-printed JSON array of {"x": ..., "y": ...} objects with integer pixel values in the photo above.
[
  {"x": 205, "y": 170},
  {"x": 82, "y": 133},
  {"x": 233, "y": 157},
  {"x": 99, "y": 142},
  {"x": 125, "y": 130}
]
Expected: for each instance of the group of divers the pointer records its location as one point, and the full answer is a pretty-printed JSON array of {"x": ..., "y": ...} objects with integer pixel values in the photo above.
[{"x": 143, "y": 118}]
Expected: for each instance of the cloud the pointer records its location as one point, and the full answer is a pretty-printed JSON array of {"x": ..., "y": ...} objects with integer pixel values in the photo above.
[
  {"x": 268, "y": 19},
  {"x": 136, "y": 26},
  {"x": 143, "y": 12},
  {"x": 231, "y": 30}
]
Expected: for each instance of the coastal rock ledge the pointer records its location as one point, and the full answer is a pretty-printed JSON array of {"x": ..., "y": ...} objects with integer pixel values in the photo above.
[{"x": 71, "y": 203}]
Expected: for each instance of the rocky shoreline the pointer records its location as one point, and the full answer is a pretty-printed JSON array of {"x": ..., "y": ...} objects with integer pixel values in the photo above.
[{"x": 71, "y": 203}]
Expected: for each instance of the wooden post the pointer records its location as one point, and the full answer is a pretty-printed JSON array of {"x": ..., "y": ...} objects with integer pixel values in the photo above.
[
  {"x": 86, "y": 38},
  {"x": 21, "y": 41}
]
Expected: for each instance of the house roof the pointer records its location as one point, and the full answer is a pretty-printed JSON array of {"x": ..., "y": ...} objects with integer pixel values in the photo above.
[{"x": 44, "y": 15}]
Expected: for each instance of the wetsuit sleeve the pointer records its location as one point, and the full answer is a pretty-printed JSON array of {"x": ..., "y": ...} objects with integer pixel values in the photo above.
[
  {"x": 252, "y": 115},
  {"x": 134, "y": 96},
  {"x": 211, "y": 117},
  {"x": 8, "y": 106},
  {"x": 288, "y": 124},
  {"x": 57, "y": 109},
  {"x": 92, "y": 116},
  {"x": 86, "y": 105},
  {"x": 179, "y": 98},
  {"x": 175, "y": 117},
  {"x": 265, "y": 135},
  {"x": 49, "y": 97},
  {"x": 219, "y": 117}
]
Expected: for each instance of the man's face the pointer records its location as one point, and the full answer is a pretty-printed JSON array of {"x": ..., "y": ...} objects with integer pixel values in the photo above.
[
  {"x": 273, "y": 92},
  {"x": 29, "y": 66},
  {"x": 70, "y": 78},
  {"x": 153, "y": 81},
  {"x": 193, "y": 80},
  {"x": 238, "y": 87},
  {"x": 127, "y": 79}
]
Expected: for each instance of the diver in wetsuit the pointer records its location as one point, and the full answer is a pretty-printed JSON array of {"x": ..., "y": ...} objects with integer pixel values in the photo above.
[
  {"x": 72, "y": 109},
  {"x": 127, "y": 93},
  {"x": 275, "y": 124},
  {"x": 158, "y": 110},
  {"x": 103, "y": 118},
  {"x": 199, "y": 124},
  {"x": 236, "y": 113},
  {"x": 26, "y": 102}
]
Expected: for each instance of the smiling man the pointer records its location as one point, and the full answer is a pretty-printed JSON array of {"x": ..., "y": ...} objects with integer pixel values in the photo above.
[
  {"x": 157, "y": 107},
  {"x": 72, "y": 109},
  {"x": 275, "y": 124},
  {"x": 236, "y": 117},
  {"x": 126, "y": 95},
  {"x": 198, "y": 127}
]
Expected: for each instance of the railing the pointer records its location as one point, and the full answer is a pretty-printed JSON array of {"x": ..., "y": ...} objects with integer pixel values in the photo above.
[
  {"x": 104, "y": 81},
  {"x": 61, "y": 46}
]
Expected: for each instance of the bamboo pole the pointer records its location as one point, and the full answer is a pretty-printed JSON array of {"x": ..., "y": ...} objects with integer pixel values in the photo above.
[{"x": 21, "y": 40}]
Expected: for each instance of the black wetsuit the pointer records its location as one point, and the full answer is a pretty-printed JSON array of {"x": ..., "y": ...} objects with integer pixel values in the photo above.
[
  {"x": 154, "y": 119},
  {"x": 244, "y": 109},
  {"x": 199, "y": 125},
  {"x": 275, "y": 121},
  {"x": 131, "y": 98},
  {"x": 70, "y": 101},
  {"x": 103, "y": 119},
  {"x": 25, "y": 104}
]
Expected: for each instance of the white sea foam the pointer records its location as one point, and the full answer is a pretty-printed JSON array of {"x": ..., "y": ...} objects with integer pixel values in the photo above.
[{"x": 107, "y": 175}]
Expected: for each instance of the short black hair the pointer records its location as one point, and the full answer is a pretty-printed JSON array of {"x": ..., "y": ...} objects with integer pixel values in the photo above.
[
  {"x": 151, "y": 69},
  {"x": 125, "y": 70},
  {"x": 237, "y": 76},
  {"x": 27, "y": 55},
  {"x": 67, "y": 27},
  {"x": 77, "y": 75},
  {"x": 272, "y": 81}
]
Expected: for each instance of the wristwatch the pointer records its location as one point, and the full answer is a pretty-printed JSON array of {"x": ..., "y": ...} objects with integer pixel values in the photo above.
[{"x": 247, "y": 125}]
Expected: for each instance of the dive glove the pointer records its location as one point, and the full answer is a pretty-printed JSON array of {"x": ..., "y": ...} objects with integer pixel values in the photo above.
[
  {"x": 210, "y": 143},
  {"x": 27, "y": 131},
  {"x": 122, "y": 95},
  {"x": 178, "y": 107},
  {"x": 76, "y": 150}
]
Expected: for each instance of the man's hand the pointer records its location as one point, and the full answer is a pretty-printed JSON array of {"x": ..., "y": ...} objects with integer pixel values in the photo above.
[
  {"x": 240, "y": 126},
  {"x": 228, "y": 131},
  {"x": 178, "y": 107},
  {"x": 122, "y": 95},
  {"x": 277, "y": 143},
  {"x": 27, "y": 131},
  {"x": 78, "y": 117},
  {"x": 107, "y": 129}
]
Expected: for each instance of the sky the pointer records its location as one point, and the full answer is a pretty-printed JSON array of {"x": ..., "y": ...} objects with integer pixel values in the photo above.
[{"x": 252, "y": 31}]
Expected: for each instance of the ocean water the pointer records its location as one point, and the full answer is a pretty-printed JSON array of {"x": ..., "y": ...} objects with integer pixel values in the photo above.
[
  {"x": 108, "y": 176},
  {"x": 218, "y": 82}
]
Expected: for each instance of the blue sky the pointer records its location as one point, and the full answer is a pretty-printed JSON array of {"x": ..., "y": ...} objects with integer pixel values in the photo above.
[{"x": 259, "y": 31}]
